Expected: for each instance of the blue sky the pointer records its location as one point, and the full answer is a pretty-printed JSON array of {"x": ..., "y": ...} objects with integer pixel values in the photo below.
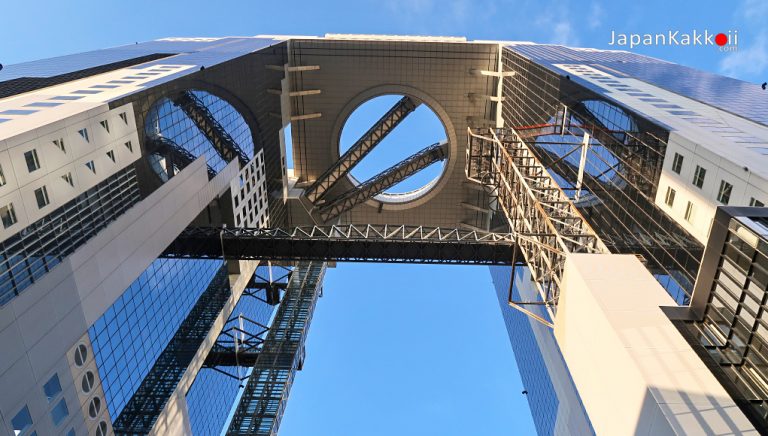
[{"x": 407, "y": 350}]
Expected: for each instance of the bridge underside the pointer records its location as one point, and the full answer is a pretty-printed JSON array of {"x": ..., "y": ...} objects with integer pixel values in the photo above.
[{"x": 371, "y": 243}]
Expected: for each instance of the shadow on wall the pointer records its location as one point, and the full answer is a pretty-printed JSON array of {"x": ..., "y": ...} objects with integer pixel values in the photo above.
[{"x": 676, "y": 412}]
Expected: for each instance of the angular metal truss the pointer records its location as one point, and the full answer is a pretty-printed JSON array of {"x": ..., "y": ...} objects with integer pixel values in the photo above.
[
  {"x": 350, "y": 243},
  {"x": 361, "y": 148},
  {"x": 140, "y": 413},
  {"x": 282, "y": 354},
  {"x": 222, "y": 142},
  {"x": 386, "y": 179},
  {"x": 175, "y": 156},
  {"x": 543, "y": 219}
]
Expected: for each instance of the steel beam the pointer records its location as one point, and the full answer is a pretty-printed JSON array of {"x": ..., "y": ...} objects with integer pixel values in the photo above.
[
  {"x": 173, "y": 153},
  {"x": 222, "y": 142},
  {"x": 367, "y": 243},
  {"x": 388, "y": 178},
  {"x": 265, "y": 395},
  {"x": 361, "y": 148},
  {"x": 534, "y": 205}
]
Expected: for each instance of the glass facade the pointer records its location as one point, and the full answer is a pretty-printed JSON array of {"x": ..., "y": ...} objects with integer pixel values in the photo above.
[
  {"x": 536, "y": 370},
  {"x": 616, "y": 193},
  {"x": 29, "y": 254},
  {"x": 732, "y": 95},
  {"x": 133, "y": 332},
  {"x": 212, "y": 395},
  {"x": 181, "y": 137}
]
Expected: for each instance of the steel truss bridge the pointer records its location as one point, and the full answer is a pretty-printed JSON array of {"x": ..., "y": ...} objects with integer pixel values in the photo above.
[{"x": 350, "y": 243}]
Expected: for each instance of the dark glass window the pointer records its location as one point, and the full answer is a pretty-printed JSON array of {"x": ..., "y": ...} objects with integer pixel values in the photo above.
[
  {"x": 2, "y": 177},
  {"x": 755, "y": 202},
  {"x": 689, "y": 212},
  {"x": 105, "y": 125},
  {"x": 8, "y": 215},
  {"x": 84, "y": 134},
  {"x": 129, "y": 146},
  {"x": 33, "y": 163},
  {"x": 670, "y": 197},
  {"x": 677, "y": 163},
  {"x": 22, "y": 421},
  {"x": 91, "y": 166},
  {"x": 41, "y": 195},
  {"x": 52, "y": 388},
  {"x": 68, "y": 178},
  {"x": 724, "y": 193},
  {"x": 59, "y": 412},
  {"x": 111, "y": 155},
  {"x": 60, "y": 144},
  {"x": 698, "y": 176}
]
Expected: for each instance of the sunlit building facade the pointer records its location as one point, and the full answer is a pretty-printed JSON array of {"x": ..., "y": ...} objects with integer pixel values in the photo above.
[{"x": 164, "y": 244}]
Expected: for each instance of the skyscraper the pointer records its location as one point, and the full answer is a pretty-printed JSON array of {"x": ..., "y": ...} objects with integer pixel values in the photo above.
[{"x": 161, "y": 262}]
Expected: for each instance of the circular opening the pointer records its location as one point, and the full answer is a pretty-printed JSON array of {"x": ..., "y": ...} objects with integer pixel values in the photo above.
[
  {"x": 81, "y": 355},
  {"x": 418, "y": 130},
  {"x": 101, "y": 430},
  {"x": 94, "y": 408},
  {"x": 87, "y": 382}
]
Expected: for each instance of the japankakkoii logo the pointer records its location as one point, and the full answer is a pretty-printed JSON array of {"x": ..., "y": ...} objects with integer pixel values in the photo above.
[{"x": 725, "y": 42}]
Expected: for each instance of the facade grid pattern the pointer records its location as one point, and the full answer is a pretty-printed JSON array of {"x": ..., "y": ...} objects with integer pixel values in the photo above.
[
  {"x": 34, "y": 251},
  {"x": 135, "y": 330},
  {"x": 210, "y": 398}
]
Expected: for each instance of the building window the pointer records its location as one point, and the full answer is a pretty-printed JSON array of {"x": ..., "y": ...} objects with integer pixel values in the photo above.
[
  {"x": 81, "y": 355},
  {"x": 33, "y": 163},
  {"x": 670, "y": 198},
  {"x": 52, "y": 388},
  {"x": 689, "y": 212},
  {"x": 2, "y": 177},
  {"x": 698, "y": 177},
  {"x": 71, "y": 432},
  {"x": 41, "y": 195},
  {"x": 84, "y": 134},
  {"x": 111, "y": 155},
  {"x": 129, "y": 146},
  {"x": 22, "y": 421},
  {"x": 101, "y": 430},
  {"x": 8, "y": 215},
  {"x": 677, "y": 163},
  {"x": 59, "y": 412},
  {"x": 94, "y": 408},
  {"x": 87, "y": 382},
  {"x": 68, "y": 178},
  {"x": 124, "y": 117},
  {"x": 724, "y": 193},
  {"x": 60, "y": 143},
  {"x": 105, "y": 125},
  {"x": 91, "y": 166},
  {"x": 754, "y": 202}
]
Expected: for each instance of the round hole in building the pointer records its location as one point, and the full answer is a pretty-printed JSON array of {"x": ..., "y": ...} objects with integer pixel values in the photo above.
[{"x": 419, "y": 129}]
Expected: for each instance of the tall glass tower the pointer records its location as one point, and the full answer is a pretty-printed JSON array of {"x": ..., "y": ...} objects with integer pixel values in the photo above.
[{"x": 161, "y": 260}]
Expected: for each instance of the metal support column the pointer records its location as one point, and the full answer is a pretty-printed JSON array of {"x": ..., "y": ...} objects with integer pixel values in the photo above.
[{"x": 282, "y": 354}]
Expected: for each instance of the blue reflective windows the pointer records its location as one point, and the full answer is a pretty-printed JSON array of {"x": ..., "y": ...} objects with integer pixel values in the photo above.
[
  {"x": 59, "y": 412},
  {"x": 52, "y": 388}
]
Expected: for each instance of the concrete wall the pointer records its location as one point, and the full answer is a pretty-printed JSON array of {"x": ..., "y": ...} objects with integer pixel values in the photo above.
[{"x": 635, "y": 373}]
